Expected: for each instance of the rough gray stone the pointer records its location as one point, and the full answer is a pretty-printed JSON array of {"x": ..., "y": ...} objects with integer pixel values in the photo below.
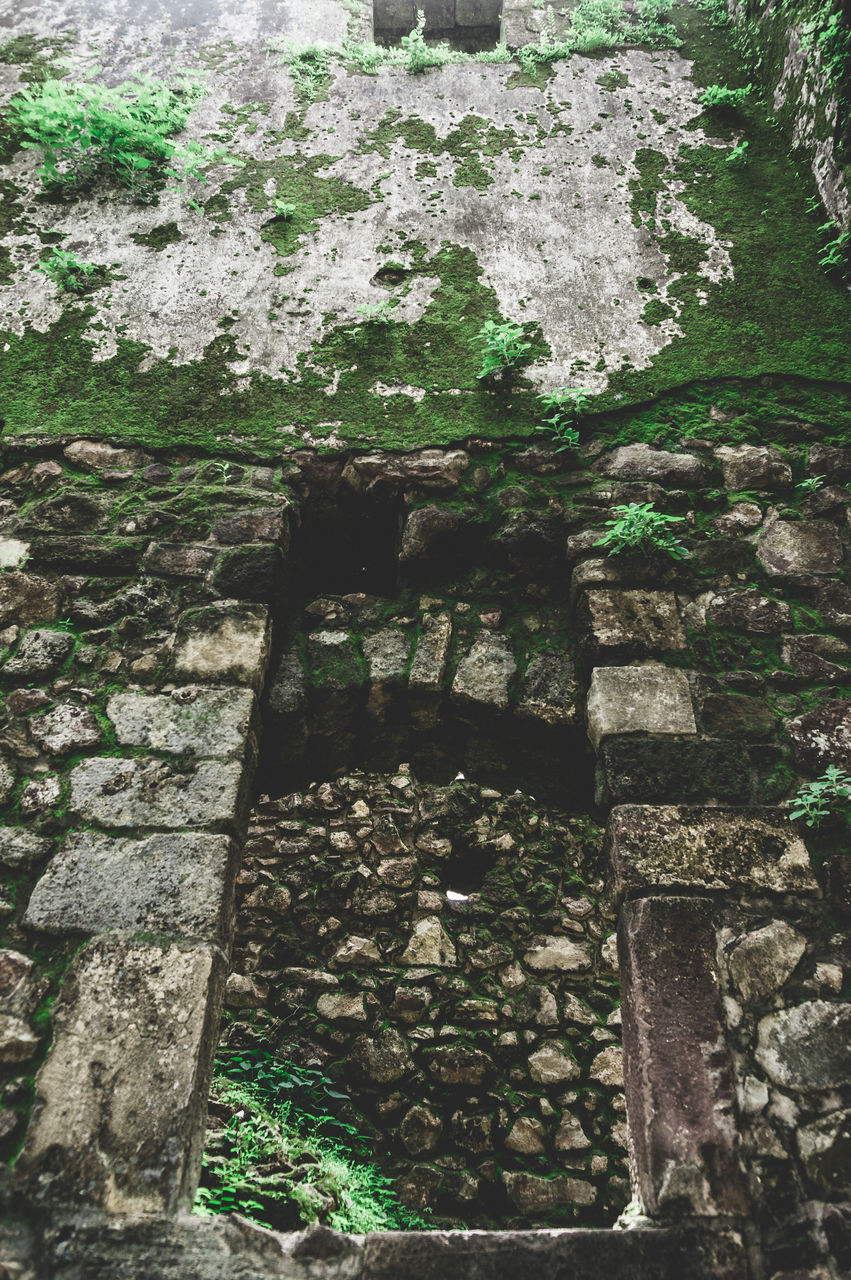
[
  {"x": 430, "y": 532},
  {"x": 459, "y": 1064},
  {"x": 429, "y": 665},
  {"x": 484, "y": 676},
  {"x": 382, "y": 1058},
  {"x": 680, "y": 846},
  {"x": 823, "y": 736},
  {"x": 750, "y": 611},
  {"x": 420, "y": 1131},
  {"x": 570, "y": 1136},
  {"x": 549, "y": 694},
  {"x": 94, "y": 455},
  {"x": 764, "y": 959},
  {"x": 26, "y": 598},
  {"x": 40, "y": 653},
  {"x": 386, "y": 653},
  {"x": 526, "y": 1136},
  {"x": 227, "y": 643},
  {"x": 640, "y": 462},
  {"x": 789, "y": 548},
  {"x": 558, "y": 953},
  {"x": 18, "y": 1041},
  {"x": 825, "y": 1149},
  {"x": 553, "y": 1063},
  {"x": 747, "y": 466},
  {"x": 207, "y": 722},
  {"x": 170, "y": 883},
  {"x": 126, "y": 1136},
  {"x": 644, "y": 699},
  {"x": 20, "y": 848},
  {"x": 533, "y": 1195},
  {"x": 682, "y": 1135},
  {"x": 429, "y": 944},
  {"x": 341, "y": 1007},
  {"x": 288, "y": 689},
  {"x": 356, "y": 952},
  {"x": 607, "y": 1067},
  {"x": 7, "y": 780},
  {"x": 624, "y": 621},
  {"x": 66, "y": 728},
  {"x": 807, "y": 1047},
  {"x": 179, "y": 559},
  {"x": 151, "y": 793}
]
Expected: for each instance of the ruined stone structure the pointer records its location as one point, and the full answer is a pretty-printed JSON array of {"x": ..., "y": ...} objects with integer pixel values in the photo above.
[{"x": 330, "y": 730}]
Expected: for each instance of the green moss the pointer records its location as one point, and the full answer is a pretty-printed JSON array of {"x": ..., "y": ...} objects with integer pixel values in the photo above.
[
  {"x": 655, "y": 312},
  {"x": 158, "y": 237}
]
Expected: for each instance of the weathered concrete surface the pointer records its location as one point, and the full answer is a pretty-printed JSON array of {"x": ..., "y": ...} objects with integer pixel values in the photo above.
[
  {"x": 169, "y": 883},
  {"x": 151, "y": 793},
  {"x": 683, "y": 847},
  {"x": 679, "y": 1087},
  {"x": 646, "y": 699},
  {"x": 207, "y": 722},
  {"x": 118, "y": 1116}
]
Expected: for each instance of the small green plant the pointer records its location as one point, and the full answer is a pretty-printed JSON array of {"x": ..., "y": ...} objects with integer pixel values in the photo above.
[
  {"x": 285, "y": 210},
  {"x": 812, "y": 484},
  {"x": 720, "y": 97},
  {"x": 69, "y": 273},
  {"x": 827, "y": 797},
  {"x": 836, "y": 254},
  {"x": 738, "y": 157},
  {"x": 88, "y": 133},
  {"x": 638, "y": 526},
  {"x": 308, "y": 65},
  {"x": 504, "y": 347},
  {"x": 565, "y": 407},
  {"x": 372, "y": 313},
  {"x": 420, "y": 56}
]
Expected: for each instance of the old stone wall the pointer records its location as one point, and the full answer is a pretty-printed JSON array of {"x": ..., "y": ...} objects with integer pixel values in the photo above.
[{"x": 700, "y": 690}]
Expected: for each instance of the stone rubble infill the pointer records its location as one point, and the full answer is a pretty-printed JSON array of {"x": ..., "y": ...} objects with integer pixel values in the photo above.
[
  {"x": 679, "y": 847},
  {"x": 123, "y": 1137}
]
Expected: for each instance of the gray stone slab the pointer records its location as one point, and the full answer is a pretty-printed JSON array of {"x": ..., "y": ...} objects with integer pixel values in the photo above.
[
  {"x": 641, "y": 462},
  {"x": 789, "y": 548},
  {"x": 429, "y": 665},
  {"x": 20, "y": 847},
  {"x": 173, "y": 883},
  {"x": 119, "y": 1102},
  {"x": 227, "y": 643},
  {"x": 484, "y": 676},
  {"x": 807, "y": 1047},
  {"x": 645, "y": 699},
  {"x": 678, "y": 1071},
  {"x": 683, "y": 846},
  {"x": 630, "y": 621},
  {"x": 151, "y": 793},
  {"x": 40, "y": 653},
  {"x": 210, "y": 722}
]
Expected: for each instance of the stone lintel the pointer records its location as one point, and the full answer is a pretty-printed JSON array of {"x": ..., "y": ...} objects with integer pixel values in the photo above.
[
  {"x": 118, "y": 1120},
  {"x": 649, "y": 698},
  {"x": 677, "y": 1067},
  {"x": 674, "y": 847}
]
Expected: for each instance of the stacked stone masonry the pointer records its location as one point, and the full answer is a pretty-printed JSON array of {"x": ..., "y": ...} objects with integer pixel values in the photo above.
[{"x": 143, "y": 600}]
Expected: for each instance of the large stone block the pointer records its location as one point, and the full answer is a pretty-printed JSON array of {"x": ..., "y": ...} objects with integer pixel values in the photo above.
[
  {"x": 684, "y": 847},
  {"x": 151, "y": 793},
  {"x": 823, "y": 736},
  {"x": 167, "y": 883},
  {"x": 223, "y": 642},
  {"x": 208, "y": 722},
  {"x": 118, "y": 1120},
  {"x": 646, "y": 699},
  {"x": 807, "y": 1047},
  {"x": 658, "y": 770},
  {"x": 641, "y": 462},
  {"x": 748, "y": 466},
  {"x": 484, "y": 676},
  {"x": 625, "y": 622},
  {"x": 791, "y": 548},
  {"x": 679, "y": 1086}
]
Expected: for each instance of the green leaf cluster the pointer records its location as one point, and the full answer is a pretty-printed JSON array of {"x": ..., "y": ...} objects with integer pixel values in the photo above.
[
  {"x": 565, "y": 407},
  {"x": 69, "y": 273},
  {"x": 827, "y": 797},
  {"x": 638, "y": 526},
  {"x": 503, "y": 347}
]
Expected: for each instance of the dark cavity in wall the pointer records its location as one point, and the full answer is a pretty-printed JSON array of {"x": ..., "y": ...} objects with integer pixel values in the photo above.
[{"x": 466, "y": 25}]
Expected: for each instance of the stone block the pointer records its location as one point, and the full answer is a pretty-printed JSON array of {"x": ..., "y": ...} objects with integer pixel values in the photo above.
[
  {"x": 531, "y": 1194},
  {"x": 558, "y": 954},
  {"x": 118, "y": 1119},
  {"x": 640, "y": 1254},
  {"x": 430, "y": 533},
  {"x": 789, "y": 548},
  {"x": 749, "y": 610},
  {"x": 679, "y": 1083},
  {"x": 152, "y": 793},
  {"x": 20, "y": 847},
  {"x": 386, "y": 653},
  {"x": 684, "y": 847},
  {"x": 207, "y": 722},
  {"x": 747, "y": 466},
  {"x": 179, "y": 559},
  {"x": 40, "y": 653},
  {"x": 807, "y": 1047},
  {"x": 429, "y": 944},
  {"x": 762, "y": 961},
  {"x": 382, "y": 1058},
  {"x": 623, "y": 622},
  {"x": 287, "y": 691},
  {"x": 553, "y": 1063},
  {"x": 432, "y": 652},
  {"x": 645, "y": 699},
  {"x": 658, "y": 770},
  {"x": 250, "y": 572},
  {"x": 641, "y": 462},
  {"x": 549, "y": 694},
  {"x": 737, "y": 716},
  {"x": 66, "y": 728},
  {"x": 822, "y": 736},
  {"x": 167, "y": 883},
  {"x": 26, "y": 599},
  {"x": 825, "y": 1149},
  {"x": 94, "y": 455},
  {"x": 227, "y": 643},
  {"x": 484, "y": 676}
]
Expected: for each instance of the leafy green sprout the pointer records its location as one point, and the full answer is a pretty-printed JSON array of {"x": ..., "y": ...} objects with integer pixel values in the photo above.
[
  {"x": 420, "y": 56},
  {"x": 285, "y": 210},
  {"x": 504, "y": 348},
  {"x": 88, "y": 132},
  {"x": 638, "y": 526},
  {"x": 812, "y": 484},
  {"x": 836, "y": 254},
  {"x": 373, "y": 313},
  {"x": 565, "y": 407},
  {"x": 737, "y": 159},
  {"x": 828, "y": 795},
  {"x": 720, "y": 97},
  {"x": 68, "y": 272}
]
